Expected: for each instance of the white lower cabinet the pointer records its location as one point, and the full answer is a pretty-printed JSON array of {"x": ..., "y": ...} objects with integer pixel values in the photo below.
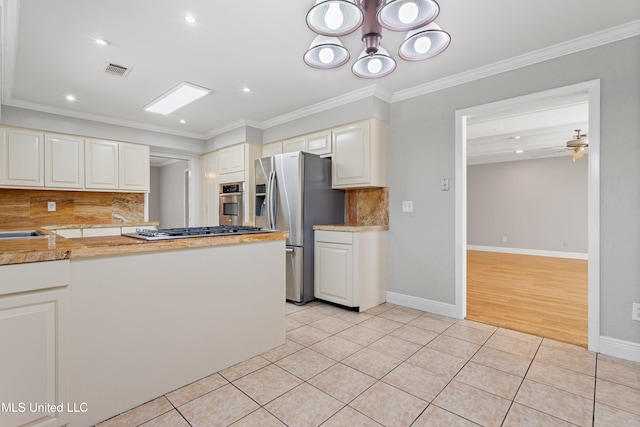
[
  {"x": 350, "y": 268},
  {"x": 34, "y": 351}
]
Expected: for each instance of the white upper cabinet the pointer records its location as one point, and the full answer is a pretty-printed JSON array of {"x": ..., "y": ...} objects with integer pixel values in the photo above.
[
  {"x": 64, "y": 161},
  {"x": 318, "y": 143},
  {"x": 22, "y": 162},
  {"x": 112, "y": 165},
  {"x": 32, "y": 158},
  {"x": 359, "y": 155},
  {"x": 101, "y": 164},
  {"x": 293, "y": 145},
  {"x": 272, "y": 149},
  {"x": 133, "y": 167},
  {"x": 231, "y": 159}
]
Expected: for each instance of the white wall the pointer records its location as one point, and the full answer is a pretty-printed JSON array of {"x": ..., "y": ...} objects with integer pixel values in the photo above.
[{"x": 536, "y": 204}]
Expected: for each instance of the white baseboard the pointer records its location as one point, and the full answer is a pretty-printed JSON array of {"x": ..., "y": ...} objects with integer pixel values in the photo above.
[
  {"x": 423, "y": 304},
  {"x": 534, "y": 252},
  {"x": 619, "y": 348}
]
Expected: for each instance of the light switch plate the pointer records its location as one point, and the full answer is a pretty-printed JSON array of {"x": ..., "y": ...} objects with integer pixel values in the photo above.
[
  {"x": 51, "y": 206},
  {"x": 407, "y": 206}
]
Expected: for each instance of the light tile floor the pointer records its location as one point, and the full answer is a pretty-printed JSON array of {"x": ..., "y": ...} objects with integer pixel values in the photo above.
[{"x": 396, "y": 366}]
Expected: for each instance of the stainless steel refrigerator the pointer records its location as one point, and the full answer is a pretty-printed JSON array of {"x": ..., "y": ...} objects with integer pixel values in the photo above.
[{"x": 293, "y": 192}]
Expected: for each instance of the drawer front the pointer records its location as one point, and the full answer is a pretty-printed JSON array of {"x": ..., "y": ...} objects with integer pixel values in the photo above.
[{"x": 345, "y": 237}]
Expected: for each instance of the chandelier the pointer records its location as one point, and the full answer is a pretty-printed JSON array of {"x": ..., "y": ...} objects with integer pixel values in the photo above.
[{"x": 331, "y": 19}]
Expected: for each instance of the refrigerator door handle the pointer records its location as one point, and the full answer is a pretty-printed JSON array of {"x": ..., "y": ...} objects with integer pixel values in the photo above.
[
  {"x": 273, "y": 206},
  {"x": 289, "y": 250}
]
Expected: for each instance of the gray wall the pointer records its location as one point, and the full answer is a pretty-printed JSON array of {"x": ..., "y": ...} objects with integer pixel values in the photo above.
[
  {"x": 536, "y": 204},
  {"x": 172, "y": 189},
  {"x": 421, "y": 151},
  {"x": 21, "y": 117},
  {"x": 154, "y": 193}
]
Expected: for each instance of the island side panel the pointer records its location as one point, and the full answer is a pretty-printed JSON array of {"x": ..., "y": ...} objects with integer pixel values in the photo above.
[{"x": 145, "y": 324}]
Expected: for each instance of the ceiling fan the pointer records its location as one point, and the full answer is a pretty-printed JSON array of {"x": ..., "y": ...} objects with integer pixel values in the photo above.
[{"x": 578, "y": 145}]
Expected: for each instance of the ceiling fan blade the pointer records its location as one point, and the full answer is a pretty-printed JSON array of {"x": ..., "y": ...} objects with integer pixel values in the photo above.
[{"x": 549, "y": 154}]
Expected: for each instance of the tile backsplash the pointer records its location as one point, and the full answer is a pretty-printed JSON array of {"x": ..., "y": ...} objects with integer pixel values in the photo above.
[
  {"x": 367, "y": 206},
  {"x": 72, "y": 207}
]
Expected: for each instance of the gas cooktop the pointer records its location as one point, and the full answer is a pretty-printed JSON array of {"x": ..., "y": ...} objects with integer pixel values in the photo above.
[{"x": 182, "y": 233}]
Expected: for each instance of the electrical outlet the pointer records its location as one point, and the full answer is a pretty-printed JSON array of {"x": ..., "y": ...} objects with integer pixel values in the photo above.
[
  {"x": 407, "y": 206},
  {"x": 444, "y": 185},
  {"x": 504, "y": 239},
  {"x": 635, "y": 314},
  {"x": 51, "y": 206}
]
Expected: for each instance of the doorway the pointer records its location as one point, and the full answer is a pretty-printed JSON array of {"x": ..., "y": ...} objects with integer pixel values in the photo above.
[
  {"x": 591, "y": 91},
  {"x": 171, "y": 195}
]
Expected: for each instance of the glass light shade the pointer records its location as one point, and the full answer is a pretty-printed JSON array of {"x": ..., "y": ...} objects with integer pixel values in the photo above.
[
  {"x": 326, "y": 52},
  {"x": 374, "y": 65},
  {"x": 424, "y": 43},
  {"x": 334, "y": 17},
  {"x": 578, "y": 153},
  {"x": 406, "y": 15}
]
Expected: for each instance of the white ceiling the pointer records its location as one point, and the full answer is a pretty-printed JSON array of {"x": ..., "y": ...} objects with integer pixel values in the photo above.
[{"x": 49, "y": 52}]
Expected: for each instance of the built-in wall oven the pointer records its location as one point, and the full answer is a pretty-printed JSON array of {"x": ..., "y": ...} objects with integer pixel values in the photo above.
[{"x": 231, "y": 203}]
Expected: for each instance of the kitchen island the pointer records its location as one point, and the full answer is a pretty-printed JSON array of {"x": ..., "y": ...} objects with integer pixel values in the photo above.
[{"x": 140, "y": 319}]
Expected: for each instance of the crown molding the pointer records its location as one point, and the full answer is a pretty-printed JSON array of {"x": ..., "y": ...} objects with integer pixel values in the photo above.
[
  {"x": 600, "y": 38},
  {"x": 356, "y": 95},
  {"x": 97, "y": 118},
  {"x": 233, "y": 126}
]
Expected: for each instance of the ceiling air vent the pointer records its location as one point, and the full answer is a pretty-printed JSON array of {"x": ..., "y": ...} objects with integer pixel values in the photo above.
[{"x": 117, "y": 70}]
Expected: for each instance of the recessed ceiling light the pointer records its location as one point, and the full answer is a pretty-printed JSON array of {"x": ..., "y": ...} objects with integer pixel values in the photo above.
[
  {"x": 70, "y": 98},
  {"x": 177, "y": 97},
  {"x": 246, "y": 89},
  {"x": 517, "y": 137},
  {"x": 183, "y": 121},
  {"x": 519, "y": 151},
  {"x": 103, "y": 42},
  {"x": 190, "y": 19}
]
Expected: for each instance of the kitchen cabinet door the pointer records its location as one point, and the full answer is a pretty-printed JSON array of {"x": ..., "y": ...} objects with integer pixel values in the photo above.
[
  {"x": 334, "y": 272},
  {"x": 293, "y": 145},
  {"x": 359, "y": 155},
  {"x": 231, "y": 159},
  {"x": 33, "y": 330},
  {"x": 271, "y": 149},
  {"x": 101, "y": 164},
  {"x": 22, "y": 162},
  {"x": 209, "y": 200},
  {"x": 319, "y": 143},
  {"x": 64, "y": 161},
  {"x": 133, "y": 167}
]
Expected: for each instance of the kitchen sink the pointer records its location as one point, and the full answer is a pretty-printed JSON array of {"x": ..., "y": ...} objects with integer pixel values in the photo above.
[{"x": 21, "y": 234}]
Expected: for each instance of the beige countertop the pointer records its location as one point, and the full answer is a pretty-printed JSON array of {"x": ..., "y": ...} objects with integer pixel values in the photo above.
[
  {"x": 52, "y": 247},
  {"x": 350, "y": 228}
]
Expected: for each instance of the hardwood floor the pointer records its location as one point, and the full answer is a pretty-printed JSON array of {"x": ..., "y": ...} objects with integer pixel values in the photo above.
[{"x": 542, "y": 296}]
